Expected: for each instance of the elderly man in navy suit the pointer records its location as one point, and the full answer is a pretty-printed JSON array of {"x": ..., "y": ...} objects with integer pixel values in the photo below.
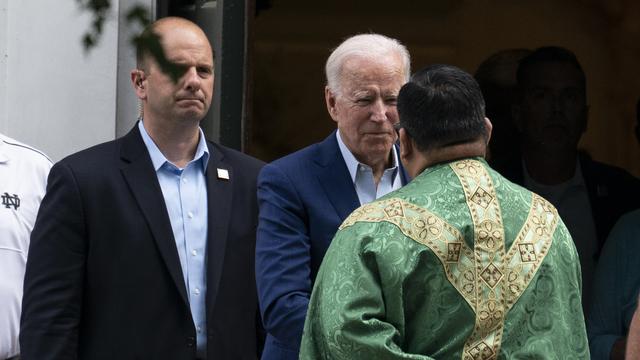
[
  {"x": 144, "y": 246},
  {"x": 305, "y": 196}
]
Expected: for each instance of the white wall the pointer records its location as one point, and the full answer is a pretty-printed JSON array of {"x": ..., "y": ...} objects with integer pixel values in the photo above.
[
  {"x": 127, "y": 105},
  {"x": 53, "y": 95}
]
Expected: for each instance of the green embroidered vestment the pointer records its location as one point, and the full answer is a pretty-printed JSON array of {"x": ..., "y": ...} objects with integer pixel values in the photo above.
[{"x": 458, "y": 264}]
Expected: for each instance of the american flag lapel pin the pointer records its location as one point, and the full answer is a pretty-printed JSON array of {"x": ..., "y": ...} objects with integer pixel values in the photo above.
[{"x": 223, "y": 174}]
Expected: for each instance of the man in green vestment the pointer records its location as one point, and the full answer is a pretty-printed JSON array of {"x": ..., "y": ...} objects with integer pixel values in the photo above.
[{"x": 458, "y": 264}]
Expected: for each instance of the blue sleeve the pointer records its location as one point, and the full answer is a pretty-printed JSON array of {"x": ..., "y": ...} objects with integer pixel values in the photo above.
[{"x": 283, "y": 259}]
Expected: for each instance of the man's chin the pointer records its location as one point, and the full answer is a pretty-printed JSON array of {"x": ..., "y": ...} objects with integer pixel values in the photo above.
[
  {"x": 191, "y": 116},
  {"x": 379, "y": 149}
]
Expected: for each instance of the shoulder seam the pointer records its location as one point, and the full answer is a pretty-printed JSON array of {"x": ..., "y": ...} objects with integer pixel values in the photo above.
[{"x": 28, "y": 148}]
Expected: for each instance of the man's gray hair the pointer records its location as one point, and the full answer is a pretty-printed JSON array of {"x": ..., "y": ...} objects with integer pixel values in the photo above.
[{"x": 371, "y": 46}]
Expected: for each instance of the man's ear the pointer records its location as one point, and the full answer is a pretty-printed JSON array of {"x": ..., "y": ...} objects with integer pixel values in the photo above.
[
  {"x": 330, "y": 100},
  {"x": 407, "y": 147},
  {"x": 488, "y": 126},
  {"x": 413, "y": 160},
  {"x": 138, "y": 81}
]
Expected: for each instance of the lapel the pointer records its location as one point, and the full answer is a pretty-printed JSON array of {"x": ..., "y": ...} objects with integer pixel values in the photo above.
[
  {"x": 596, "y": 188},
  {"x": 598, "y": 194},
  {"x": 219, "y": 198},
  {"x": 141, "y": 177},
  {"x": 334, "y": 177}
]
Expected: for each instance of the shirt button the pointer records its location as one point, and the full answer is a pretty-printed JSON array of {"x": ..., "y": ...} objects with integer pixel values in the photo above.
[
  {"x": 196, "y": 291},
  {"x": 190, "y": 215},
  {"x": 199, "y": 329},
  {"x": 194, "y": 252}
]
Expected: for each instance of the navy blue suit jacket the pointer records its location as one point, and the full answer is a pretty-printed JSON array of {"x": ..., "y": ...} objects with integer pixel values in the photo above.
[
  {"x": 103, "y": 278},
  {"x": 303, "y": 199}
]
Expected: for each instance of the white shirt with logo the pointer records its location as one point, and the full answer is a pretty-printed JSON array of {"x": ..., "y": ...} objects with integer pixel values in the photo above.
[{"x": 23, "y": 180}]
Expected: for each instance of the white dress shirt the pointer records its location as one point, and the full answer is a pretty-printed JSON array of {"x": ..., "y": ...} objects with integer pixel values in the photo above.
[
  {"x": 185, "y": 194},
  {"x": 362, "y": 175},
  {"x": 23, "y": 179}
]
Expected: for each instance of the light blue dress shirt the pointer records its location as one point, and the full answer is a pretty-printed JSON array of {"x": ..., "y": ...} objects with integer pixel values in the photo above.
[
  {"x": 362, "y": 175},
  {"x": 185, "y": 195}
]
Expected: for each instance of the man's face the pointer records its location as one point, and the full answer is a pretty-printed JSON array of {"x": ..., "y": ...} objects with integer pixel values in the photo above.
[
  {"x": 189, "y": 97},
  {"x": 553, "y": 112},
  {"x": 365, "y": 109}
]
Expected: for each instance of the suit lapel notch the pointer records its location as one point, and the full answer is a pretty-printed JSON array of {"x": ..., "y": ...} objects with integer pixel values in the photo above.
[{"x": 334, "y": 176}]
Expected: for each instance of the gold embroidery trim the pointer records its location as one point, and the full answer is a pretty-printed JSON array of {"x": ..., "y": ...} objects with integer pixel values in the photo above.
[
  {"x": 489, "y": 259},
  {"x": 503, "y": 277},
  {"x": 489, "y": 280},
  {"x": 421, "y": 225}
]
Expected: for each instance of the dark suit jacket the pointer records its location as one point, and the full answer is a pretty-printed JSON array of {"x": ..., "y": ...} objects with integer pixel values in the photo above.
[
  {"x": 103, "y": 278},
  {"x": 303, "y": 199},
  {"x": 612, "y": 191}
]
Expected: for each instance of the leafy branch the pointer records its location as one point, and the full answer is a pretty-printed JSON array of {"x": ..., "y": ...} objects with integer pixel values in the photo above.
[
  {"x": 99, "y": 9},
  {"x": 137, "y": 14}
]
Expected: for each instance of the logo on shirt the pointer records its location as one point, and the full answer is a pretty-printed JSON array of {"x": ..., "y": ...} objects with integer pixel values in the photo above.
[{"x": 8, "y": 201}]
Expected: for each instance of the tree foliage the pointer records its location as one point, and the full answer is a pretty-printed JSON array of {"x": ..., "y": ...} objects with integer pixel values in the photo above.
[
  {"x": 148, "y": 41},
  {"x": 99, "y": 10}
]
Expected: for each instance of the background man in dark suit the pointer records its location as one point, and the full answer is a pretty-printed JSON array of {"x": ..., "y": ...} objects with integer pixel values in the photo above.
[
  {"x": 551, "y": 114},
  {"x": 143, "y": 246},
  {"x": 305, "y": 196}
]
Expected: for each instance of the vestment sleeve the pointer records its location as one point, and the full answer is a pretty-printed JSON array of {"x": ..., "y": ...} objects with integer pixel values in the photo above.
[
  {"x": 53, "y": 286},
  {"x": 347, "y": 316},
  {"x": 615, "y": 289},
  {"x": 283, "y": 259}
]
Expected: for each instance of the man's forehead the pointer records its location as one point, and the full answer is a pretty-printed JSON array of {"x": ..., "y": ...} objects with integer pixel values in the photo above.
[
  {"x": 201, "y": 56},
  {"x": 553, "y": 70},
  {"x": 554, "y": 74},
  {"x": 188, "y": 49},
  {"x": 360, "y": 72},
  {"x": 366, "y": 65},
  {"x": 373, "y": 90}
]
